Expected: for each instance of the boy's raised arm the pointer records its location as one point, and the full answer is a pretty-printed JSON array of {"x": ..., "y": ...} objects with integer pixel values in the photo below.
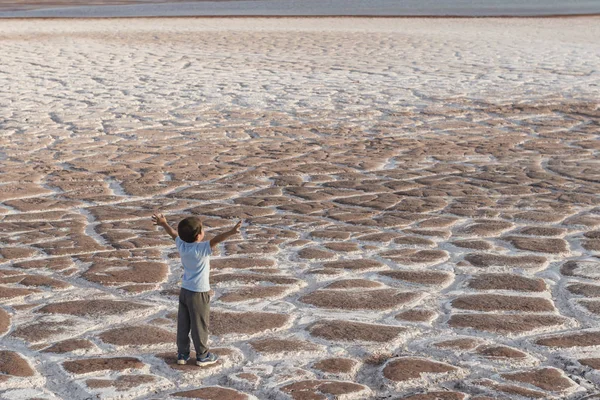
[
  {"x": 225, "y": 235},
  {"x": 160, "y": 220}
]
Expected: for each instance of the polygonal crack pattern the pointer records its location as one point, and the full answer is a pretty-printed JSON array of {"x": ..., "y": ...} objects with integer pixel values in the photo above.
[{"x": 422, "y": 211}]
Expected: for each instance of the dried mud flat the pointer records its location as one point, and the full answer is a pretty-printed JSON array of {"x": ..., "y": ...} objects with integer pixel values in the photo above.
[{"x": 421, "y": 198}]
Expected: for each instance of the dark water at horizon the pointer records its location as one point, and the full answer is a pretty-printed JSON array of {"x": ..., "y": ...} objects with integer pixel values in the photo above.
[{"x": 475, "y": 8}]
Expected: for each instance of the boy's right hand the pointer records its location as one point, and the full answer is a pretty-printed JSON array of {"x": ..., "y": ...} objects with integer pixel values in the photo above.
[
  {"x": 236, "y": 228},
  {"x": 159, "y": 219}
]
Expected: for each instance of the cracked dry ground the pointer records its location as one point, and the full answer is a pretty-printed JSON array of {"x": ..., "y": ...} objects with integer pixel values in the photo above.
[{"x": 445, "y": 252}]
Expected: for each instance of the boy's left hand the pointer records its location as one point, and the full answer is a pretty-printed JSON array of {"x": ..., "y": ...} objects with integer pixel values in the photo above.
[{"x": 159, "y": 219}]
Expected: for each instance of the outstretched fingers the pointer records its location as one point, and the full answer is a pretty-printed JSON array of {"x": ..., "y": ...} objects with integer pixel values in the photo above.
[
  {"x": 237, "y": 226},
  {"x": 157, "y": 218}
]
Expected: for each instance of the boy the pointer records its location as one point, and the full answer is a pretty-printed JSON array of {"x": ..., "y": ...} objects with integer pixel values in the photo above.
[{"x": 194, "y": 298}]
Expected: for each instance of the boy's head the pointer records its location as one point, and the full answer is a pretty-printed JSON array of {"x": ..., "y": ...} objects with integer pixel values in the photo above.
[{"x": 190, "y": 229}]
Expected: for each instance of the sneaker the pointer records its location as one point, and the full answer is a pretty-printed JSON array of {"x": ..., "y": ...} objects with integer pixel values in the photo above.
[
  {"x": 209, "y": 359},
  {"x": 182, "y": 358}
]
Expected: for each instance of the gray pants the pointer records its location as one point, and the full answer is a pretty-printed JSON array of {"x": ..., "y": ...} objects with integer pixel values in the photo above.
[{"x": 194, "y": 309}]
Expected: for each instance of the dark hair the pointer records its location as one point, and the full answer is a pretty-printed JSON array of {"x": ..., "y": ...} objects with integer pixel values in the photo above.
[{"x": 189, "y": 228}]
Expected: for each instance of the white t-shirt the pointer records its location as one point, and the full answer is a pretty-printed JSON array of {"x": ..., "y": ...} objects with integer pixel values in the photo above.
[{"x": 195, "y": 258}]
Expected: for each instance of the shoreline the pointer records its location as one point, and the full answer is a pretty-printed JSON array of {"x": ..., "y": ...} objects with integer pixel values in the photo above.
[
  {"x": 557, "y": 16},
  {"x": 304, "y": 9}
]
